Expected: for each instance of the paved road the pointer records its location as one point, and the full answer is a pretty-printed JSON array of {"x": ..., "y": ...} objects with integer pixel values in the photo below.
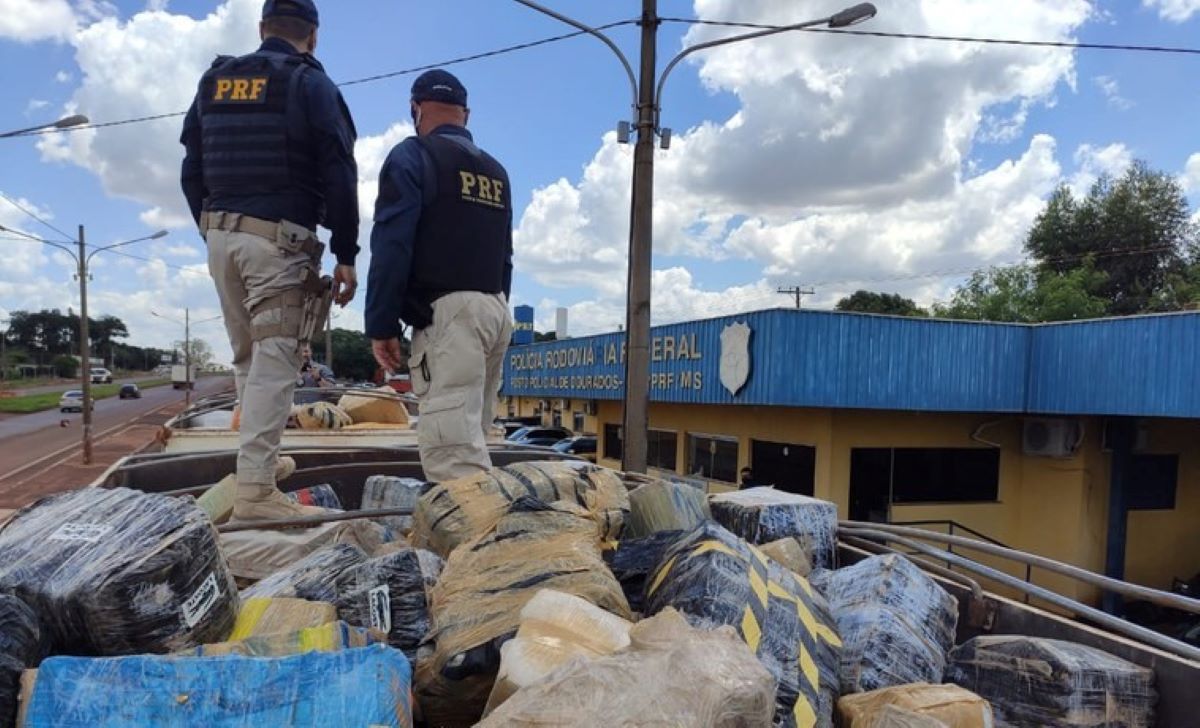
[
  {"x": 75, "y": 384},
  {"x": 26, "y": 438}
]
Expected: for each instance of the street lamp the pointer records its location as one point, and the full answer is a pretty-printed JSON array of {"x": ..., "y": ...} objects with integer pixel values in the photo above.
[
  {"x": 187, "y": 347},
  {"x": 82, "y": 260},
  {"x": 66, "y": 123},
  {"x": 647, "y": 107}
]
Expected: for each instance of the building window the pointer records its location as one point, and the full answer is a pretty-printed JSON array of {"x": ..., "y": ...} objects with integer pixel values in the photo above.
[
  {"x": 879, "y": 476},
  {"x": 1152, "y": 482},
  {"x": 713, "y": 457},
  {"x": 612, "y": 442},
  {"x": 578, "y": 422},
  {"x": 660, "y": 449}
]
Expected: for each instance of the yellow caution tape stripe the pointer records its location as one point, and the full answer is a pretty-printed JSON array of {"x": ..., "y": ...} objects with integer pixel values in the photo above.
[{"x": 248, "y": 618}]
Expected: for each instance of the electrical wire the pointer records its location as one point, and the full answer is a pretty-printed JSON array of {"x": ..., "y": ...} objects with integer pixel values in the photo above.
[{"x": 30, "y": 213}]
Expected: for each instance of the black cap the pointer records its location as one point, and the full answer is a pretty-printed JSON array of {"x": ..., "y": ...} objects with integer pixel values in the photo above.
[
  {"x": 439, "y": 85},
  {"x": 302, "y": 9}
]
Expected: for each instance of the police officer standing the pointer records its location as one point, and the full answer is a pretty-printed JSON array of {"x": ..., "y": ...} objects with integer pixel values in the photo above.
[
  {"x": 442, "y": 262},
  {"x": 270, "y": 155}
]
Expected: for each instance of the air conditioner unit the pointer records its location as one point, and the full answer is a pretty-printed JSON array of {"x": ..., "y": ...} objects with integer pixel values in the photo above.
[
  {"x": 1051, "y": 438},
  {"x": 589, "y": 408}
]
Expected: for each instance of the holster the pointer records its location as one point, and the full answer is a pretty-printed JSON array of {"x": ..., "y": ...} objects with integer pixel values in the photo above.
[{"x": 318, "y": 297}]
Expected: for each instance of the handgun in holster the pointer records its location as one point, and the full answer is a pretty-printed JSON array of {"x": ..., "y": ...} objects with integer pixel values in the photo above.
[{"x": 318, "y": 297}]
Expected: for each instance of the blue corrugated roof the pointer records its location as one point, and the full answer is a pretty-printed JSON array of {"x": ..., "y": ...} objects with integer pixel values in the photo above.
[{"x": 1139, "y": 365}]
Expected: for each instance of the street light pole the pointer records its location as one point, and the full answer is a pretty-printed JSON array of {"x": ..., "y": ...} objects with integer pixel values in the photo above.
[
  {"x": 187, "y": 357},
  {"x": 85, "y": 353},
  {"x": 70, "y": 121}
]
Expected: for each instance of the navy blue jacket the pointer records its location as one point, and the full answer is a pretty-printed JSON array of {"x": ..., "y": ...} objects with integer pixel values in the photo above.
[
  {"x": 406, "y": 185},
  {"x": 320, "y": 116}
]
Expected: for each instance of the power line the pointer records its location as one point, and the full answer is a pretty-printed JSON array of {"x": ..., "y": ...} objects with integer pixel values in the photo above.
[
  {"x": 949, "y": 38},
  {"x": 30, "y": 213}
]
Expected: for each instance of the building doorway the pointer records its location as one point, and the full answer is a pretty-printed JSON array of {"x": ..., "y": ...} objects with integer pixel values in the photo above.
[
  {"x": 870, "y": 484},
  {"x": 787, "y": 466}
]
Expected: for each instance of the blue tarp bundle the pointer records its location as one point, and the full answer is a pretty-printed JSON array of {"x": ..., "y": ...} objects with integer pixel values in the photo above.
[{"x": 367, "y": 686}]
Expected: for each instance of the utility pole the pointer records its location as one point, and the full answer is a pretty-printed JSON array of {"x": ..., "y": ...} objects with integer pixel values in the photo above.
[
  {"x": 4, "y": 350},
  {"x": 85, "y": 352},
  {"x": 797, "y": 291},
  {"x": 187, "y": 357}
]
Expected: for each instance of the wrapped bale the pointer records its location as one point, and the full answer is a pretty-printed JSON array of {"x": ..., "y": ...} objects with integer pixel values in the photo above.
[
  {"x": 483, "y": 587},
  {"x": 20, "y": 647},
  {"x": 715, "y": 578},
  {"x": 1044, "y": 682},
  {"x": 320, "y": 416},
  {"x": 633, "y": 560},
  {"x": 671, "y": 675},
  {"x": 255, "y": 555},
  {"x": 385, "y": 491},
  {"x": 382, "y": 406},
  {"x": 948, "y": 705},
  {"x": 328, "y": 637},
  {"x": 896, "y": 623},
  {"x": 457, "y": 511},
  {"x": 555, "y": 628},
  {"x": 790, "y": 554},
  {"x": 665, "y": 506},
  {"x": 322, "y": 496},
  {"x": 390, "y": 594},
  {"x": 313, "y": 577},
  {"x": 262, "y": 616},
  {"x": 762, "y": 515},
  {"x": 111, "y": 572},
  {"x": 367, "y": 686}
]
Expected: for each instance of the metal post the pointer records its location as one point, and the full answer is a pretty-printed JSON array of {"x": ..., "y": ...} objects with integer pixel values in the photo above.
[
  {"x": 85, "y": 353},
  {"x": 1122, "y": 432},
  {"x": 637, "y": 313},
  {"x": 187, "y": 358},
  {"x": 329, "y": 340}
]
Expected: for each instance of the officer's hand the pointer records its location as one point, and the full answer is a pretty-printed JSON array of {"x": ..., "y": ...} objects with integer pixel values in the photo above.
[
  {"x": 345, "y": 282},
  {"x": 387, "y": 353}
]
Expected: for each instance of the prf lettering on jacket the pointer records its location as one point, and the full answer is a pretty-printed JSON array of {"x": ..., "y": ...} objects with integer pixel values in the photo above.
[
  {"x": 481, "y": 189},
  {"x": 250, "y": 90}
]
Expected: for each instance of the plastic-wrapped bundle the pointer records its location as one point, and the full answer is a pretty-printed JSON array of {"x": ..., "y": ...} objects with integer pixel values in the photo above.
[
  {"x": 382, "y": 406},
  {"x": 1044, "y": 682},
  {"x": 457, "y": 511},
  {"x": 20, "y": 647},
  {"x": 367, "y": 686},
  {"x": 322, "y": 496},
  {"x": 762, "y": 515},
  {"x": 328, "y": 637},
  {"x": 313, "y": 577},
  {"x": 665, "y": 506},
  {"x": 555, "y": 628},
  {"x": 255, "y": 555},
  {"x": 262, "y": 616},
  {"x": 672, "y": 675},
  {"x": 790, "y": 555},
  {"x": 385, "y": 491},
  {"x": 715, "y": 578},
  {"x": 390, "y": 593},
  {"x": 633, "y": 560},
  {"x": 321, "y": 416},
  {"x": 896, "y": 623},
  {"x": 111, "y": 572},
  {"x": 478, "y": 600},
  {"x": 945, "y": 705}
]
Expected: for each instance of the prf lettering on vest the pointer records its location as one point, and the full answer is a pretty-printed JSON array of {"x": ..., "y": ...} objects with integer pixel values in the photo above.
[
  {"x": 481, "y": 189},
  {"x": 241, "y": 90}
]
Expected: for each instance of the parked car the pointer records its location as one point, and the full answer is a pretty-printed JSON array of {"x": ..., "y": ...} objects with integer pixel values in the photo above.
[
  {"x": 72, "y": 401},
  {"x": 100, "y": 375},
  {"x": 582, "y": 445},
  {"x": 545, "y": 436},
  {"x": 130, "y": 391}
]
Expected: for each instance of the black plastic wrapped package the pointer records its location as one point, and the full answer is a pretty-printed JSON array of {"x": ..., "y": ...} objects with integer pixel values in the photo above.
[
  {"x": 117, "y": 572},
  {"x": 321, "y": 496},
  {"x": 390, "y": 593},
  {"x": 314, "y": 577},
  {"x": 896, "y": 623},
  {"x": 1032, "y": 681},
  {"x": 762, "y": 515},
  {"x": 20, "y": 647},
  {"x": 386, "y": 491},
  {"x": 633, "y": 560},
  {"x": 715, "y": 578}
]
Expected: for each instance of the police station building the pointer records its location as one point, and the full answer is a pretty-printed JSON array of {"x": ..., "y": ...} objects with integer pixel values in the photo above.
[{"x": 1051, "y": 438}]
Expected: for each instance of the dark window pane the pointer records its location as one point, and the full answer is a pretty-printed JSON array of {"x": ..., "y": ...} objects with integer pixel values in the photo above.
[
  {"x": 661, "y": 448},
  {"x": 1152, "y": 482},
  {"x": 578, "y": 422},
  {"x": 932, "y": 475},
  {"x": 612, "y": 441},
  {"x": 712, "y": 458}
]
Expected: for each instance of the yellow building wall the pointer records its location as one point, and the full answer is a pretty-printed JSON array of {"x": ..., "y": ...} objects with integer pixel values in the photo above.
[{"x": 1165, "y": 544}]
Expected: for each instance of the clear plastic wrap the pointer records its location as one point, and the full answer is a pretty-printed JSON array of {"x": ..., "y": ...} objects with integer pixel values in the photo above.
[
  {"x": 383, "y": 406},
  {"x": 715, "y": 578},
  {"x": 321, "y": 416},
  {"x": 914, "y": 705},
  {"x": 390, "y": 593},
  {"x": 313, "y": 577},
  {"x": 254, "y": 555},
  {"x": 671, "y": 675},
  {"x": 386, "y": 491},
  {"x": 478, "y": 600},
  {"x": 367, "y": 686},
  {"x": 555, "y": 628},
  {"x": 1033, "y": 681},
  {"x": 112, "y": 572},
  {"x": 790, "y": 555},
  {"x": 20, "y": 647},
  {"x": 456, "y": 511},
  {"x": 761, "y": 515},
  {"x": 665, "y": 506},
  {"x": 321, "y": 496},
  {"x": 262, "y": 616},
  {"x": 633, "y": 560},
  {"x": 896, "y": 623},
  {"x": 327, "y": 637}
]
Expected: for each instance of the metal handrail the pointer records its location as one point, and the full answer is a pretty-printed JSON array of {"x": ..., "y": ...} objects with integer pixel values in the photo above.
[{"x": 951, "y": 525}]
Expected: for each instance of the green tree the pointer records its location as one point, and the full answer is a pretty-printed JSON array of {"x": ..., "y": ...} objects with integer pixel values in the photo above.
[
  {"x": 1022, "y": 293},
  {"x": 103, "y": 332},
  {"x": 201, "y": 352},
  {"x": 539, "y": 336},
  {"x": 66, "y": 366},
  {"x": 352, "y": 357},
  {"x": 886, "y": 303}
]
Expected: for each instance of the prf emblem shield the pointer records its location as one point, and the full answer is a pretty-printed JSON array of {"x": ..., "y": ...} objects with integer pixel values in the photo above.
[
  {"x": 735, "y": 357},
  {"x": 240, "y": 90}
]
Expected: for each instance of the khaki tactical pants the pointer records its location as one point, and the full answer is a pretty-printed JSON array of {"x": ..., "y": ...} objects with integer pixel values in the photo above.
[
  {"x": 456, "y": 366},
  {"x": 248, "y": 270}
]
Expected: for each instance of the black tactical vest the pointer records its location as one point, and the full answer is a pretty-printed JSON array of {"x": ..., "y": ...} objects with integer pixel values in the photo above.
[
  {"x": 243, "y": 112},
  {"x": 462, "y": 237}
]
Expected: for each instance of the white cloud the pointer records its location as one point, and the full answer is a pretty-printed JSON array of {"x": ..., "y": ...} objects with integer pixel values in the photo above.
[
  {"x": 1112, "y": 91},
  {"x": 22, "y": 257},
  {"x": 35, "y": 105},
  {"x": 1191, "y": 175},
  {"x": 33, "y": 20},
  {"x": 63, "y": 77},
  {"x": 1177, "y": 11},
  {"x": 1094, "y": 162}
]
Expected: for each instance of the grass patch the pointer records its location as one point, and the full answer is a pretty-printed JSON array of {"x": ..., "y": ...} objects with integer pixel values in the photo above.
[{"x": 31, "y": 403}]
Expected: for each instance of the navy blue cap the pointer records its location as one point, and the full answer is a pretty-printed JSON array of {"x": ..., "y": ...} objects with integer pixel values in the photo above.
[
  {"x": 439, "y": 85},
  {"x": 302, "y": 9}
]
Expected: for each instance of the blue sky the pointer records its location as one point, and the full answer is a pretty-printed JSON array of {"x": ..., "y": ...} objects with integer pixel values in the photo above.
[{"x": 839, "y": 163}]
